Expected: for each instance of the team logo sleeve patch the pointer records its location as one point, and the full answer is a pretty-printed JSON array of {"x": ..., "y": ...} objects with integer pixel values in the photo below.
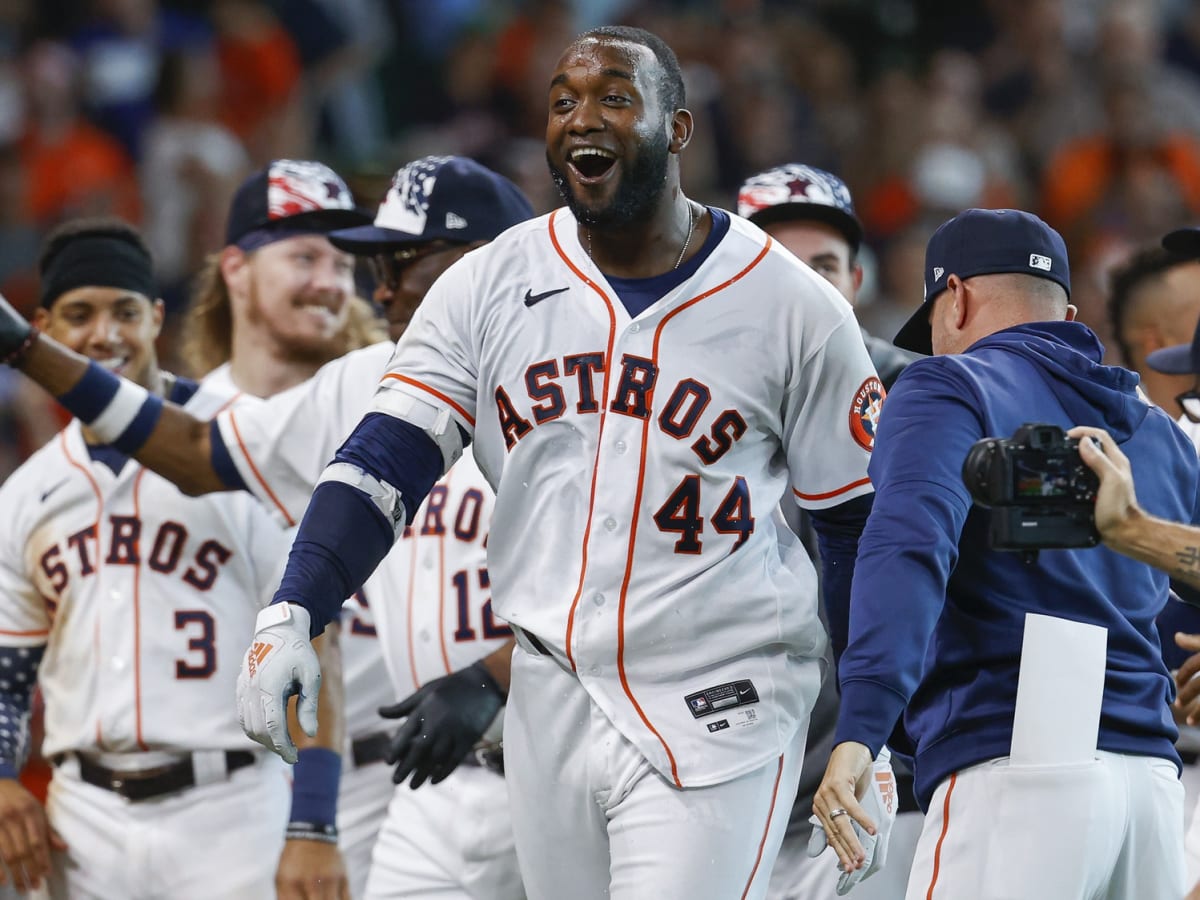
[{"x": 864, "y": 412}]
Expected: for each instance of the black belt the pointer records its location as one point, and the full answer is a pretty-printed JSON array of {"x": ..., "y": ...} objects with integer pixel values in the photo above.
[
  {"x": 146, "y": 784},
  {"x": 374, "y": 747},
  {"x": 534, "y": 640},
  {"x": 906, "y": 798}
]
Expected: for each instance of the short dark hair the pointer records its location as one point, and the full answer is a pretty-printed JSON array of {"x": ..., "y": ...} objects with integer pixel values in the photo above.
[
  {"x": 1147, "y": 264},
  {"x": 670, "y": 80},
  {"x": 96, "y": 226}
]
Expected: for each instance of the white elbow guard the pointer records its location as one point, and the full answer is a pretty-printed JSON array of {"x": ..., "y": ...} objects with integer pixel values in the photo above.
[
  {"x": 435, "y": 421},
  {"x": 385, "y": 497}
]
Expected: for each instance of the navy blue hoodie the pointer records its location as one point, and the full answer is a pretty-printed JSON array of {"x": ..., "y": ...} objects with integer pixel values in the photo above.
[{"x": 937, "y": 618}]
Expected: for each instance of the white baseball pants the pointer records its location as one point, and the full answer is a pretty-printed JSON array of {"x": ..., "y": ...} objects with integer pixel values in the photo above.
[
  {"x": 593, "y": 819},
  {"x": 1109, "y": 829}
]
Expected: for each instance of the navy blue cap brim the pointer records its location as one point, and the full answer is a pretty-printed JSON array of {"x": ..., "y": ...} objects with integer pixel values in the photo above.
[
  {"x": 849, "y": 227},
  {"x": 367, "y": 239},
  {"x": 1184, "y": 241},
  {"x": 1175, "y": 360},
  {"x": 916, "y": 334}
]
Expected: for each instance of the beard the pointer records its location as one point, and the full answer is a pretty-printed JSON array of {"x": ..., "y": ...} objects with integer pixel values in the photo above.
[
  {"x": 638, "y": 192},
  {"x": 296, "y": 348}
]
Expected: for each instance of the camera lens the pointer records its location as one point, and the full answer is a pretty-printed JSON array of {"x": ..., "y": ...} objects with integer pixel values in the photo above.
[{"x": 976, "y": 469}]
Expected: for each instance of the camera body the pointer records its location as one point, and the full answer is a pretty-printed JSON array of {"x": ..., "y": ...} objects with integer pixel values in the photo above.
[{"x": 1041, "y": 494}]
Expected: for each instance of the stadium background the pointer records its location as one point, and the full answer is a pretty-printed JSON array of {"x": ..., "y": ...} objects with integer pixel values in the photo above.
[{"x": 1084, "y": 111}]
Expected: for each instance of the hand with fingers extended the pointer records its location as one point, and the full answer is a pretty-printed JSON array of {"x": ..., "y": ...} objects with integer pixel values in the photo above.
[
  {"x": 311, "y": 870},
  {"x": 879, "y": 802},
  {"x": 445, "y": 718},
  {"x": 1116, "y": 501},
  {"x": 280, "y": 663},
  {"x": 836, "y": 803},
  {"x": 26, "y": 838}
]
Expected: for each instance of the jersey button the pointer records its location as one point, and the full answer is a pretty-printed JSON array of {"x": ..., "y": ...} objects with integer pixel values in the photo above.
[
  {"x": 621, "y": 446},
  {"x": 118, "y": 664},
  {"x": 635, "y": 328},
  {"x": 610, "y": 523},
  {"x": 598, "y": 599},
  {"x": 594, "y": 670}
]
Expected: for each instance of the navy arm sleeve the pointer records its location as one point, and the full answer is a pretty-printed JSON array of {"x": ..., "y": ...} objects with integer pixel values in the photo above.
[
  {"x": 344, "y": 535},
  {"x": 838, "y": 529},
  {"x": 18, "y": 675},
  {"x": 908, "y": 548}
]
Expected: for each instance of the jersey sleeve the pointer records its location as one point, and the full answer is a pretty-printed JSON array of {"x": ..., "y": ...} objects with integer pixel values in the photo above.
[
  {"x": 281, "y": 445},
  {"x": 24, "y": 615},
  {"x": 830, "y": 418},
  {"x": 435, "y": 362}
]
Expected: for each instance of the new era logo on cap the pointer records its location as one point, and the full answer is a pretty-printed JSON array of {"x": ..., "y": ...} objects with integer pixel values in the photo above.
[
  {"x": 455, "y": 221},
  {"x": 1037, "y": 261},
  {"x": 938, "y": 272}
]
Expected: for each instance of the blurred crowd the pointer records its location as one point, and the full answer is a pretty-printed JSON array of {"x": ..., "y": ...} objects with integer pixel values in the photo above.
[{"x": 1084, "y": 111}]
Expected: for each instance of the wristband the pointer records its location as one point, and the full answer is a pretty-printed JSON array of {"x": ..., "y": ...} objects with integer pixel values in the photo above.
[
  {"x": 17, "y": 356},
  {"x": 311, "y": 831},
  {"x": 121, "y": 413},
  {"x": 316, "y": 777}
]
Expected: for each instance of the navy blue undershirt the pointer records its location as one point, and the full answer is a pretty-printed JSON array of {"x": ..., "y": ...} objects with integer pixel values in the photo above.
[
  {"x": 639, "y": 294},
  {"x": 180, "y": 393}
]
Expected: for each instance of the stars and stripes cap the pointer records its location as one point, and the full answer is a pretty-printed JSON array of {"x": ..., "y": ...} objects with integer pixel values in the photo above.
[
  {"x": 796, "y": 192},
  {"x": 286, "y": 198}
]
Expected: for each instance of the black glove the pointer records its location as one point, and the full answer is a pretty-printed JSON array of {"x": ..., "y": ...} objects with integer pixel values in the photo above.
[
  {"x": 14, "y": 330},
  {"x": 446, "y": 718}
]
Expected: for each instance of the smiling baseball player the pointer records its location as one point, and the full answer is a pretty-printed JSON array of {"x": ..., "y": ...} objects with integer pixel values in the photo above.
[
  {"x": 668, "y": 640},
  {"x": 431, "y": 596},
  {"x": 129, "y": 603}
]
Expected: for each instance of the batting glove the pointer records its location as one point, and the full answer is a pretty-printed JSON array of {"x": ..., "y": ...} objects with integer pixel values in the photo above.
[
  {"x": 14, "y": 330},
  {"x": 880, "y": 805},
  {"x": 446, "y": 718},
  {"x": 280, "y": 663}
]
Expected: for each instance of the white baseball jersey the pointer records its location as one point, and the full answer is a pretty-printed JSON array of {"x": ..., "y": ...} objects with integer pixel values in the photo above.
[
  {"x": 144, "y": 597},
  {"x": 636, "y": 464},
  {"x": 429, "y": 602}
]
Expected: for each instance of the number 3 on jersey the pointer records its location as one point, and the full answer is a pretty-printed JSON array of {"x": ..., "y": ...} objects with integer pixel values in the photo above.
[{"x": 681, "y": 515}]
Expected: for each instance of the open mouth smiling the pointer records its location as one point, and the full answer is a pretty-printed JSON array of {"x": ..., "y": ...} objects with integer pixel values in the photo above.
[{"x": 591, "y": 164}]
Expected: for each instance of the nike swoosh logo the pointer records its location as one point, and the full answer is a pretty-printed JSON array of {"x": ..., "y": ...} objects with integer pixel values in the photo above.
[
  {"x": 53, "y": 488},
  {"x": 742, "y": 692},
  {"x": 532, "y": 298}
]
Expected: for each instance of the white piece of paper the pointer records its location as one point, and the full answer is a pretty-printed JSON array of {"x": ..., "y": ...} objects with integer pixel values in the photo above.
[{"x": 1059, "y": 692}]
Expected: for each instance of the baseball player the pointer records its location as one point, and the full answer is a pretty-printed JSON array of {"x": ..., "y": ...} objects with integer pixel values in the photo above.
[
  {"x": 127, "y": 602},
  {"x": 599, "y": 360},
  {"x": 437, "y": 616},
  {"x": 273, "y": 305},
  {"x": 1021, "y": 799},
  {"x": 810, "y": 212}
]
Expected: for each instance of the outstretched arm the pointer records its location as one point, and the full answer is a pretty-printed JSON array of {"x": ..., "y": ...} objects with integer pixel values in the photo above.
[
  {"x": 162, "y": 436},
  {"x": 1173, "y": 547}
]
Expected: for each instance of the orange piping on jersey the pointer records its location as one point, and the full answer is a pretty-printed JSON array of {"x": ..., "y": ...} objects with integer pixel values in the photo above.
[
  {"x": 395, "y": 376},
  {"x": 441, "y": 543},
  {"x": 137, "y": 614},
  {"x": 766, "y": 828},
  {"x": 99, "y": 557},
  {"x": 937, "y": 853},
  {"x": 637, "y": 504},
  {"x": 39, "y": 633},
  {"x": 825, "y": 496},
  {"x": 257, "y": 474},
  {"x": 228, "y": 403},
  {"x": 409, "y": 599},
  {"x": 612, "y": 336}
]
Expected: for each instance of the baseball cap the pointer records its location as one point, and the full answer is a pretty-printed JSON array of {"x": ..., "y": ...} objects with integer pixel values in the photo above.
[
  {"x": 449, "y": 198},
  {"x": 795, "y": 191},
  {"x": 984, "y": 242},
  {"x": 1184, "y": 241},
  {"x": 289, "y": 197},
  {"x": 1181, "y": 359}
]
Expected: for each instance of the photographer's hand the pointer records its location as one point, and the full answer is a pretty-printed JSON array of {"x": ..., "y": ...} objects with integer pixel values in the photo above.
[
  {"x": 1187, "y": 701},
  {"x": 1117, "y": 511}
]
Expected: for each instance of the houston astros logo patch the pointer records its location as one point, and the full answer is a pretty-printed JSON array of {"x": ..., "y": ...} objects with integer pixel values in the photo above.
[{"x": 864, "y": 412}]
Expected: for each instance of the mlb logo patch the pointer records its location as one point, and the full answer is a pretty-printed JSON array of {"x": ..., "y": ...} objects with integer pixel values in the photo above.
[
  {"x": 698, "y": 705},
  {"x": 1037, "y": 261}
]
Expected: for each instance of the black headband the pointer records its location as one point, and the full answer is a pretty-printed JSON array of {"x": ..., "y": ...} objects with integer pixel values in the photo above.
[{"x": 99, "y": 260}]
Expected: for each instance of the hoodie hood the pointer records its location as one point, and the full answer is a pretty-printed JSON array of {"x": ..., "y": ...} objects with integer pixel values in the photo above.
[{"x": 1067, "y": 355}]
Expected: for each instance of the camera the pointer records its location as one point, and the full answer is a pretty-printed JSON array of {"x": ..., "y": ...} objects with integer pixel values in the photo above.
[{"x": 1040, "y": 493}]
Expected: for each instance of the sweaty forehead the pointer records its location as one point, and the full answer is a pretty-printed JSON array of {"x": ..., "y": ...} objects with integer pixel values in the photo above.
[{"x": 594, "y": 57}]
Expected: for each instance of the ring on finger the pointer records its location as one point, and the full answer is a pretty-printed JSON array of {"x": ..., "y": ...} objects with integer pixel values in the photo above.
[{"x": 837, "y": 812}]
